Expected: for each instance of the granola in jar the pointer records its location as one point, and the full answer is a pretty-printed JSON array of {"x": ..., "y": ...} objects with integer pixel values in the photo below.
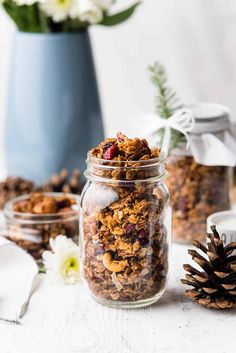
[
  {"x": 197, "y": 191},
  {"x": 35, "y": 218},
  {"x": 125, "y": 223},
  {"x": 199, "y": 179}
]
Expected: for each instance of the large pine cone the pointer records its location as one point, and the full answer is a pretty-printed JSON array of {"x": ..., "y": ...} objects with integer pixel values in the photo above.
[{"x": 215, "y": 287}]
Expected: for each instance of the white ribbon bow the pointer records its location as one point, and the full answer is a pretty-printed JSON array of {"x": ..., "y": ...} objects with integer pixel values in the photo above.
[{"x": 182, "y": 121}]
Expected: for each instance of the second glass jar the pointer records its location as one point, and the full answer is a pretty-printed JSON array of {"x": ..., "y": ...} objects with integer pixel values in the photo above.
[{"x": 199, "y": 189}]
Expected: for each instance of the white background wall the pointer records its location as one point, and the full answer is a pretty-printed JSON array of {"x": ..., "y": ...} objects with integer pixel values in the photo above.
[{"x": 194, "y": 39}]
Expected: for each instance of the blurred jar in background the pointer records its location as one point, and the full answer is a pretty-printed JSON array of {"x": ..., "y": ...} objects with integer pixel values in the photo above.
[{"x": 200, "y": 188}]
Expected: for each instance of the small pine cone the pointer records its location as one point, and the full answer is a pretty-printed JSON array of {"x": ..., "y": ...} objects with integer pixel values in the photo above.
[
  {"x": 13, "y": 187},
  {"x": 215, "y": 286},
  {"x": 62, "y": 183}
]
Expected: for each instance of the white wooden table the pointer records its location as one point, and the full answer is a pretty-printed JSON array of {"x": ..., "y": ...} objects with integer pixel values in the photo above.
[{"x": 64, "y": 319}]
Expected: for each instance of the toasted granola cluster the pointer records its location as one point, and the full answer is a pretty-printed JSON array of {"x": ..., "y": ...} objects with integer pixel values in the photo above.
[
  {"x": 39, "y": 203},
  {"x": 123, "y": 148},
  {"x": 38, "y": 217},
  {"x": 124, "y": 236},
  {"x": 196, "y": 192},
  {"x": 124, "y": 159}
]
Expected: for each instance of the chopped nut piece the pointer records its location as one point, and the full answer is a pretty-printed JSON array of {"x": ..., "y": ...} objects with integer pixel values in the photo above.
[
  {"x": 113, "y": 266},
  {"x": 116, "y": 282}
]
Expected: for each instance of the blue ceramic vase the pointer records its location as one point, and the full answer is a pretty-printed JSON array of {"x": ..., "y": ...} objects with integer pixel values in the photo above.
[{"x": 53, "y": 115}]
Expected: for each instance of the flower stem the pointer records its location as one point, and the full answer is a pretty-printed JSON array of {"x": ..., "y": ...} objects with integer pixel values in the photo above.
[{"x": 43, "y": 22}]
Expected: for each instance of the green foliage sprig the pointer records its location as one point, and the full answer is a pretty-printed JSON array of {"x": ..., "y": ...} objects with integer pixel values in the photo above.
[
  {"x": 112, "y": 20},
  {"x": 166, "y": 101}
]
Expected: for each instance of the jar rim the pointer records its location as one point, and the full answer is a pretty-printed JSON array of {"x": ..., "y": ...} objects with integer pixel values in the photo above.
[
  {"x": 109, "y": 165},
  {"x": 209, "y": 117},
  {"x": 21, "y": 217},
  {"x": 144, "y": 162}
]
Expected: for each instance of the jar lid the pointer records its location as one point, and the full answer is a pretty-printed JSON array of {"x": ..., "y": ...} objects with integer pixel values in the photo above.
[{"x": 210, "y": 118}]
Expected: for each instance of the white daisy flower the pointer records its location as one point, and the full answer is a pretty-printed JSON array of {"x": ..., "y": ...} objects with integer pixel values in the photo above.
[
  {"x": 90, "y": 12},
  {"x": 63, "y": 262},
  {"x": 59, "y": 10}
]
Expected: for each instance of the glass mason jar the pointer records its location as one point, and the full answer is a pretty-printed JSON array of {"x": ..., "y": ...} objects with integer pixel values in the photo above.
[
  {"x": 125, "y": 221},
  {"x": 198, "y": 190},
  {"x": 32, "y": 231}
]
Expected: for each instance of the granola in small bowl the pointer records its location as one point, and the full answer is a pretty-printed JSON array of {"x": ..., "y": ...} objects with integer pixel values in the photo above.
[{"x": 35, "y": 218}]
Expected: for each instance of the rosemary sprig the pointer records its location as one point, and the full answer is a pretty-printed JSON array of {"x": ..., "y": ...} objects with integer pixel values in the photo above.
[{"x": 166, "y": 101}]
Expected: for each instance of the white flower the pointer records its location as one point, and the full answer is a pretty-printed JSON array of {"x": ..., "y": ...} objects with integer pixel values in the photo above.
[
  {"x": 90, "y": 12},
  {"x": 59, "y": 10},
  {"x": 63, "y": 262}
]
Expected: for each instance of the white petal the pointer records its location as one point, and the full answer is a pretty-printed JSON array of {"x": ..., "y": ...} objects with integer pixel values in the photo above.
[
  {"x": 90, "y": 12},
  {"x": 103, "y": 4},
  {"x": 58, "y": 263},
  {"x": 58, "y": 10},
  {"x": 61, "y": 244},
  {"x": 49, "y": 260}
]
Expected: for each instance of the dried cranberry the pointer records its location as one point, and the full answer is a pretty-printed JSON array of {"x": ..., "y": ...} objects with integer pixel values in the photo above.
[
  {"x": 133, "y": 238},
  {"x": 107, "y": 145},
  {"x": 182, "y": 204},
  {"x": 130, "y": 228},
  {"x": 111, "y": 238},
  {"x": 131, "y": 233},
  {"x": 99, "y": 249},
  {"x": 63, "y": 203},
  {"x": 111, "y": 152},
  {"x": 144, "y": 147},
  {"x": 144, "y": 233},
  {"x": 143, "y": 236},
  {"x": 143, "y": 241}
]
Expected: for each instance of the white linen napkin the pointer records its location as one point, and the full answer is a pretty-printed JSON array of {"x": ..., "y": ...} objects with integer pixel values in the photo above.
[{"x": 18, "y": 270}]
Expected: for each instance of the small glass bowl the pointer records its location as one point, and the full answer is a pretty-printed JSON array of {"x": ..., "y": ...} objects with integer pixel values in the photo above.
[{"x": 33, "y": 231}]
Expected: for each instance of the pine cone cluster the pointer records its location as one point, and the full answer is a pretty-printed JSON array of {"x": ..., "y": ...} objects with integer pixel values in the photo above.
[
  {"x": 215, "y": 286},
  {"x": 15, "y": 186},
  {"x": 63, "y": 183}
]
